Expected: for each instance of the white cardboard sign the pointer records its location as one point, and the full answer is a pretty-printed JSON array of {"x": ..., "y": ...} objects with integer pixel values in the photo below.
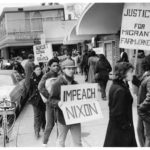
[
  {"x": 80, "y": 103},
  {"x": 43, "y": 52},
  {"x": 135, "y": 29}
]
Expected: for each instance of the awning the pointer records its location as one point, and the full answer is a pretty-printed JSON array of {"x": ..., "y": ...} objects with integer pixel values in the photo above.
[
  {"x": 100, "y": 18},
  {"x": 73, "y": 38}
]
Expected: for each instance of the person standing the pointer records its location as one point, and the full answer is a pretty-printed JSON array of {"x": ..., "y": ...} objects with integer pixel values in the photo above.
[
  {"x": 36, "y": 101},
  {"x": 93, "y": 59},
  {"x": 67, "y": 78},
  {"x": 120, "y": 130},
  {"x": 28, "y": 71},
  {"x": 144, "y": 105},
  {"x": 50, "y": 112},
  {"x": 102, "y": 70}
]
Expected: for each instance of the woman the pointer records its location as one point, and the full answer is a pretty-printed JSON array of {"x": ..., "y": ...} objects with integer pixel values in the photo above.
[
  {"x": 36, "y": 101},
  {"x": 120, "y": 131},
  {"x": 91, "y": 64},
  {"x": 102, "y": 70}
]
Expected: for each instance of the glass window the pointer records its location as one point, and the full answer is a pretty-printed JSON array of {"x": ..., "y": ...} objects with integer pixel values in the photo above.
[{"x": 6, "y": 80}]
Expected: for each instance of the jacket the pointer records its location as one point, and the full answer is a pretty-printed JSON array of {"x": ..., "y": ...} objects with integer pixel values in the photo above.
[
  {"x": 35, "y": 98},
  {"x": 120, "y": 131},
  {"x": 41, "y": 86},
  {"x": 55, "y": 97},
  {"x": 144, "y": 100},
  {"x": 102, "y": 70}
]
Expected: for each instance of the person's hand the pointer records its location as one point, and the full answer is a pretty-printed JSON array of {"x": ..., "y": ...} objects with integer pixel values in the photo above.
[{"x": 60, "y": 103}]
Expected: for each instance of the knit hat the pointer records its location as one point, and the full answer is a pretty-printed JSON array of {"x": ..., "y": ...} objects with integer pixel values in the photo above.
[{"x": 68, "y": 63}]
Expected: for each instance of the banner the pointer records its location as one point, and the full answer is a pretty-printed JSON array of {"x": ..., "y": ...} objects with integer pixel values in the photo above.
[
  {"x": 43, "y": 52},
  {"x": 80, "y": 103},
  {"x": 135, "y": 29}
]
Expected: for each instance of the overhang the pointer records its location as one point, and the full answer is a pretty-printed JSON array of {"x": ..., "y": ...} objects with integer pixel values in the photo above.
[{"x": 100, "y": 18}]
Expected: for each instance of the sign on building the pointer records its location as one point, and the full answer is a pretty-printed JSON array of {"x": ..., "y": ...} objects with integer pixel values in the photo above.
[
  {"x": 99, "y": 50},
  {"x": 80, "y": 103},
  {"x": 135, "y": 29},
  {"x": 43, "y": 52}
]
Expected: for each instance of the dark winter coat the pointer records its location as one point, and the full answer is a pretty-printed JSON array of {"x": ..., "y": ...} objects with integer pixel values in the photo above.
[
  {"x": 144, "y": 100},
  {"x": 55, "y": 97},
  {"x": 102, "y": 70},
  {"x": 120, "y": 131},
  {"x": 35, "y": 98}
]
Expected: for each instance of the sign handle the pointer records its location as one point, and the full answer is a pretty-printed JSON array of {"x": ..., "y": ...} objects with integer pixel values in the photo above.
[{"x": 135, "y": 61}]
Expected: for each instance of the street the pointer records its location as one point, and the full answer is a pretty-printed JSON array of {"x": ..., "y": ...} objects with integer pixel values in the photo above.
[{"x": 93, "y": 133}]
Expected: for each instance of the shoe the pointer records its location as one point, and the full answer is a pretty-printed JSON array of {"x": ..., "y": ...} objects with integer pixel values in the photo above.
[
  {"x": 44, "y": 145},
  {"x": 37, "y": 135},
  {"x": 104, "y": 98}
]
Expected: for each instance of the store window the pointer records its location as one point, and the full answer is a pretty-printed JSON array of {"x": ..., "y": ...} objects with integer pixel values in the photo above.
[{"x": 36, "y": 21}]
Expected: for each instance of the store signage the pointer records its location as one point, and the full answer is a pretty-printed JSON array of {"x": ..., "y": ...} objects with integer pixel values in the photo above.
[
  {"x": 135, "y": 29},
  {"x": 80, "y": 103}
]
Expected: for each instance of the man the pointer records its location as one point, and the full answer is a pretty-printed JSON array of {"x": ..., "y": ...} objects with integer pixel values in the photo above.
[
  {"x": 29, "y": 67},
  {"x": 67, "y": 78},
  {"x": 50, "y": 112},
  {"x": 144, "y": 103}
]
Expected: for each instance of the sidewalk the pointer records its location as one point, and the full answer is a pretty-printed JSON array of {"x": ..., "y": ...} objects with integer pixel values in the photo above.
[{"x": 93, "y": 133}]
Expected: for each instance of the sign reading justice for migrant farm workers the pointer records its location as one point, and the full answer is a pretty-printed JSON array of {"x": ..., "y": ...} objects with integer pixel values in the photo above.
[
  {"x": 135, "y": 29},
  {"x": 80, "y": 103},
  {"x": 43, "y": 52}
]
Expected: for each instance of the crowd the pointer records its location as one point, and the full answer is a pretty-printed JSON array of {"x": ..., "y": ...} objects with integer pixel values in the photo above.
[{"x": 44, "y": 87}]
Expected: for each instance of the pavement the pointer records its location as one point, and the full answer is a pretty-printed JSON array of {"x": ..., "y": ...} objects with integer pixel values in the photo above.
[{"x": 93, "y": 132}]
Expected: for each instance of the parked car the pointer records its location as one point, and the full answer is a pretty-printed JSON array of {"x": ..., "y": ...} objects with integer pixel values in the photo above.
[{"x": 12, "y": 87}]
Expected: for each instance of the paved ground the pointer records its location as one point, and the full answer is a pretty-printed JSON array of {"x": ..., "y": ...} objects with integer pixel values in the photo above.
[{"x": 93, "y": 133}]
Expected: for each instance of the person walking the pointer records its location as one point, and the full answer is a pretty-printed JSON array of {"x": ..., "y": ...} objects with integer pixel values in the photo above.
[
  {"x": 144, "y": 105},
  {"x": 120, "y": 130},
  {"x": 36, "y": 101},
  {"x": 28, "y": 71},
  {"x": 102, "y": 70},
  {"x": 93, "y": 59},
  {"x": 50, "y": 112},
  {"x": 67, "y": 78}
]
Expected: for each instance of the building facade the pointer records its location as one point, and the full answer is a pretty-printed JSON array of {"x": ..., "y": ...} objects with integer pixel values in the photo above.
[{"x": 21, "y": 27}]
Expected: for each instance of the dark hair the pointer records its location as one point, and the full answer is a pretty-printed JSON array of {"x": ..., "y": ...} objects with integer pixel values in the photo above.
[
  {"x": 121, "y": 69},
  {"x": 92, "y": 53},
  {"x": 51, "y": 61},
  {"x": 124, "y": 57},
  {"x": 30, "y": 56},
  {"x": 36, "y": 66},
  {"x": 102, "y": 57},
  {"x": 146, "y": 63}
]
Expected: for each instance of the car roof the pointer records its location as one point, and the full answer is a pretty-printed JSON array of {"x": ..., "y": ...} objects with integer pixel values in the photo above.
[{"x": 7, "y": 72}]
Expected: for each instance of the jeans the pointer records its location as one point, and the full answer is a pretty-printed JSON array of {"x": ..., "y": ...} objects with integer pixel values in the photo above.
[
  {"x": 50, "y": 122},
  {"x": 39, "y": 119},
  {"x": 140, "y": 132},
  {"x": 147, "y": 134},
  {"x": 75, "y": 130}
]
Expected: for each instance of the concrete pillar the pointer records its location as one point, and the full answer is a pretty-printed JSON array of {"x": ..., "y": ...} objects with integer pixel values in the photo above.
[{"x": 4, "y": 53}]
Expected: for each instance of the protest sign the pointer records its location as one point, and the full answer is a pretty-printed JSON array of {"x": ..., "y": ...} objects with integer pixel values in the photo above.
[
  {"x": 43, "y": 52},
  {"x": 99, "y": 50},
  {"x": 135, "y": 29},
  {"x": 80, "y": 103}
]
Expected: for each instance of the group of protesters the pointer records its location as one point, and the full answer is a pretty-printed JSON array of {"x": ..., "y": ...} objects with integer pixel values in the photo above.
[{"x": 44, "y": 88}]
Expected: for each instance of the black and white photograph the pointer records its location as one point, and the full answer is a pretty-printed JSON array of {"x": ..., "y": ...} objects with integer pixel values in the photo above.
[{"x": 74, "y": 74}]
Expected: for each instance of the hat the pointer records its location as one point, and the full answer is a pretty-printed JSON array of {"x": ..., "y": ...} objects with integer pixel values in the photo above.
[{"x": 68, "y": 63}]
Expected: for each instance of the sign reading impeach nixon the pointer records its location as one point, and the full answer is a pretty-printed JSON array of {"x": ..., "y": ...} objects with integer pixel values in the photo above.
[
  {"x": 80, "y": 103},
  {"x": 43, "y": 52},
  {"x": 135, "y": 29}
]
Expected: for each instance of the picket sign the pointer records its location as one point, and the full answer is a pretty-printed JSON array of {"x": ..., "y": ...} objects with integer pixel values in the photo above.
[
  {"x": 43, "y": 52},
  {"x": 135, "y": 28},
  {"x": 80, "y": 103}
]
